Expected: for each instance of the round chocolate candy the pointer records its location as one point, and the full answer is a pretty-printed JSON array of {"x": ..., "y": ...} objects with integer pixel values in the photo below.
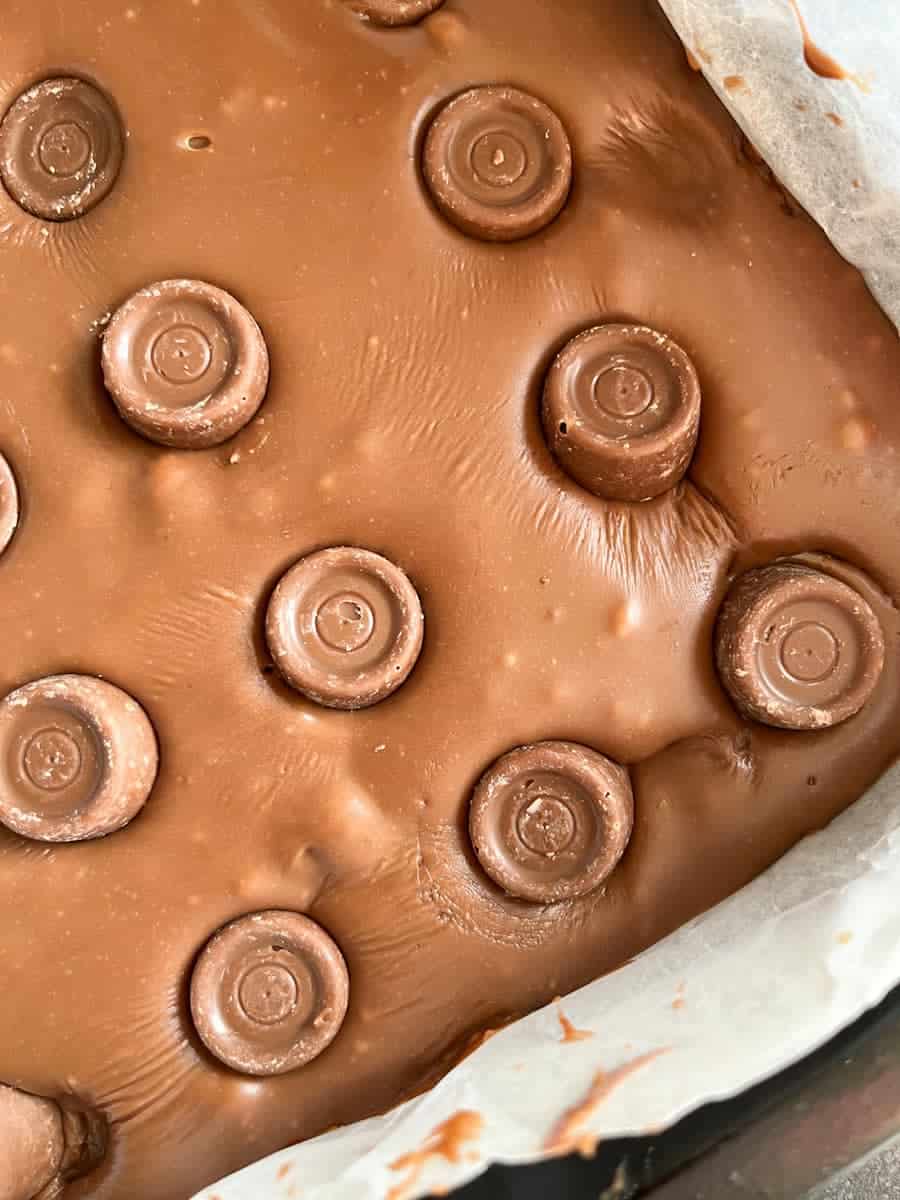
[
  {"x": 32, "y": 1144},
  {"x": 550, "y": 821},
  {"x": 269, "y": 992},
  {"x": 78, "y": 758},
  {"x": 394, "y": 12},
  {"x": 185, "y": 363},
  {"x": 61, "y": 146},
  {"x": 621, "y": 411},
  {"x": 345, "y": 627},
  {"x": 796, "y": 647},
  {"x": 9, "y": 504},
  {"x": 497, "y": 163}
]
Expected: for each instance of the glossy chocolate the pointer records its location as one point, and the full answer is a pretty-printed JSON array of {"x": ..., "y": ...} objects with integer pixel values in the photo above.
[{"x": 275, "y": 151}]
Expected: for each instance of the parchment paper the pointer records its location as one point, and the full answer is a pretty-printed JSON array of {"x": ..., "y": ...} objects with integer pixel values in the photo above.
[
  {"x": 845, "y": 173},
  {"x": 773, "y": 972}
]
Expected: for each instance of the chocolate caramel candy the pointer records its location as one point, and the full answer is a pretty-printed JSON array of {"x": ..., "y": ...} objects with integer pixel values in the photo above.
[
  {"x": 621, "y": 411},
  {"x": 550, "y": 821},
  {"x": 394, "y": 12},
  {"x": 269, "y": 992},
  {"x": 498, "y": 163},
  {"x": 345, "y": 627},
  {"x": 9, "y": 504},
  {"x": 61, "y": 146},
  {"x": 32, "y": 1144},
  {"x": 185, "y": 364},
  {"x": 78, "y": 758},
  {"x": 796, "y": 647}
]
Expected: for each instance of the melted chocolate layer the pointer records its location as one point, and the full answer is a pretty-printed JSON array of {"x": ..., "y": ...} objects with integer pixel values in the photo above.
[{"x": 274, "y": 151}]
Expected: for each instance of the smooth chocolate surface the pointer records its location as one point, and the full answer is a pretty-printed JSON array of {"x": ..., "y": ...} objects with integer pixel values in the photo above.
[{"x": 276, "y": 152}]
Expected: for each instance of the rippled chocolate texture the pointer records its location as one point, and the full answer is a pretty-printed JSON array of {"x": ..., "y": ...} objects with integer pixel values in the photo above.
[{"x": 382, "y": 708}]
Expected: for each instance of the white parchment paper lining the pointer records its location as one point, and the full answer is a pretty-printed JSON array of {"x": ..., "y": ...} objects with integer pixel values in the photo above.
[{"x": 773, "y": 972}]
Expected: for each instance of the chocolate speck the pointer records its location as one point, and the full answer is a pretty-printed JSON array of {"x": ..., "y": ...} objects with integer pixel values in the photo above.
[
  {"x": 818, "y": 60},
  {"x": 569, "y": 1031},
  {"x": 446, "y": 1141},
  {"x": 568, "y": 1134}
]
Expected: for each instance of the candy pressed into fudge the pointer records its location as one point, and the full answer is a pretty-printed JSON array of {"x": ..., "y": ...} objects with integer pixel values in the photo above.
[{"x": 448, "y": 497}]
